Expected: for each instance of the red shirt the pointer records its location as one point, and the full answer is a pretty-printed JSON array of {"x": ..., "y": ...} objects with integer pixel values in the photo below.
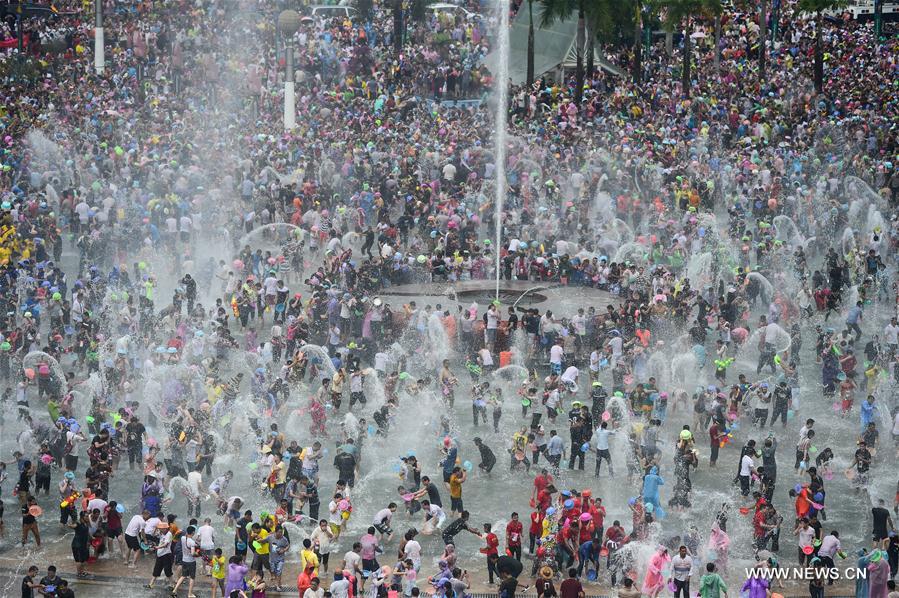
[
  {"x": 599, "y": 515},
  {"x": 586, "y": 532},
  {"x": 492, "y": 544},
  {"x": 536, "y": 523},
  {"x": 513, "y": 533},
  {"x": 544, "y": 500},
  {"x": 570, "y": 588},
  {"x": 615, "y": 534},
  {"x": 757, "y": 520},
  {"x": 541, "y": 482}
]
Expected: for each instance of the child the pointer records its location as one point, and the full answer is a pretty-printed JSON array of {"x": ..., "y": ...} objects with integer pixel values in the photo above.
[
  {"x": 257, "y": 585},
  {"x": 217, "y": 563}
]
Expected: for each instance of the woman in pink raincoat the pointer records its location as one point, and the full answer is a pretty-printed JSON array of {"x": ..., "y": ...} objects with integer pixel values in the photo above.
[
  {"x": 654, "y": 582},
  {"x": 878, "y": 575},
  {"x": 719, "y": 542}
]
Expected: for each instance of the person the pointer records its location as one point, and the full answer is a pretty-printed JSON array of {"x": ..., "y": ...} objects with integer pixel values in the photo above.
[
  {"x": 28, "y": 583},
  {"x": 514, "y": 530},
  {"x": 600, "y": 443},
  {"x": 488, "y": 459},
  {"x": 133, "y": 534},
  {"x": 491, "y": 551},
  {"x": 369, "y": 546},
  {"x": 457, "y": 478},
  {"x": 218, "y": 570},
  {"x": 457, "y": 526},
  {"x": 189, "y": 553},
  {"x": 747, "y": 469},
  {"x": 544, "y": 583},
  {"x": 81, "y": 543},
  {"x": 164, "y": 555},
  {"x": 830, "y": 546},
  {"x": 382, "y": 522},
  {"x": 711, "y": 585},
  {"x": 321, "y": 538},
  {"x": 237, "y": 570},
  {"x": 50, "y": 582},
  {"x": 509, "y": 585},
  {"x": 29, "y": 521},
  {"x": 629, "y": 590},
  {"x": 882, "y": 523},
  {"x": 681, "y": 570},
  {"x": 314, "y": 590},
  {"x": 571, "y": 587},
  {"x": 278, "y": 547}
]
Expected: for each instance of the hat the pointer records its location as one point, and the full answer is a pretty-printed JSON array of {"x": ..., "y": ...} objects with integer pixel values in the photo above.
[{"x": 546, "y": 572}]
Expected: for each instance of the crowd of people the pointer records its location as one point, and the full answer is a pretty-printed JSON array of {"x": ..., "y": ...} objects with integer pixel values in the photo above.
[{"x": 188, "y": 285}]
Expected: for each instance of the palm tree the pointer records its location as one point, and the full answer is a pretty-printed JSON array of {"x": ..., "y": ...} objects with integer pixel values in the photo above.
[
  {"x": 637, "y": 65},
  {"x": 592, "y": 17},
  {"x": 818, "y": 7},
  {"x": 678, "y": 13}
]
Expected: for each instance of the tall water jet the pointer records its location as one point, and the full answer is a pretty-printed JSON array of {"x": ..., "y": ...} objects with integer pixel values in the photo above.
[{"x": 502, "y": 125}]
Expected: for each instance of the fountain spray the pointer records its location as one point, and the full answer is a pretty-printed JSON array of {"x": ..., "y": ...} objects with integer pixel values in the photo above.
[{"x": 502, "y": 125}]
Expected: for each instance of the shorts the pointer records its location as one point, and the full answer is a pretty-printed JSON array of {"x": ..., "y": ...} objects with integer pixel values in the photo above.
[
  {"x": 276, "y": 566},
  {"x": 80, "y": 554},
  {"x": 163, "y": 563},
  {"x": 189, "y": 570},
  {"x": 260, "y": 562},
  {"x": 114, "y": 533},
  {"x": 555, "y": 368},
  {"x": 132, "y": 542},
  {"x": 370, "y": 565},
  {"x": 456, "y": 504}
]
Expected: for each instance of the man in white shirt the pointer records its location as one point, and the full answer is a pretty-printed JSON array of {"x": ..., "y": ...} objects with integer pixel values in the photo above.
[
  {"x": 164, "y": 556},
  {"x": 340, "y": 587},
  {"x": 132, "y": 537},
  {"x": 747, "y": 468},
  {"x": 206, "y": 539},
  {"x": 97, "y": 503},
  {"x": 188, "y": 561},
  {"x": 434, "y": 514},
  {"x": 830, "y": 546},
  {"x": 600, "y": 443},
  {"x": 315, "y": 590},
  {"x": 382, "y": 520},
  {"x": 556, "y": 354},
  {"x": 492, "y": 323},
  {"x": 352, "y": 562},
  {"x": 681, "y": 568},
  {"x": 569, "y": 378}
]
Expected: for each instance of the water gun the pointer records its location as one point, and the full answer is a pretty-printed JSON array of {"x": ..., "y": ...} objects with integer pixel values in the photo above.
[
  {"x": 69, "y": 500},
  {"x": 234, "y": 306},
  {"x": 722, "y": 364}
]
